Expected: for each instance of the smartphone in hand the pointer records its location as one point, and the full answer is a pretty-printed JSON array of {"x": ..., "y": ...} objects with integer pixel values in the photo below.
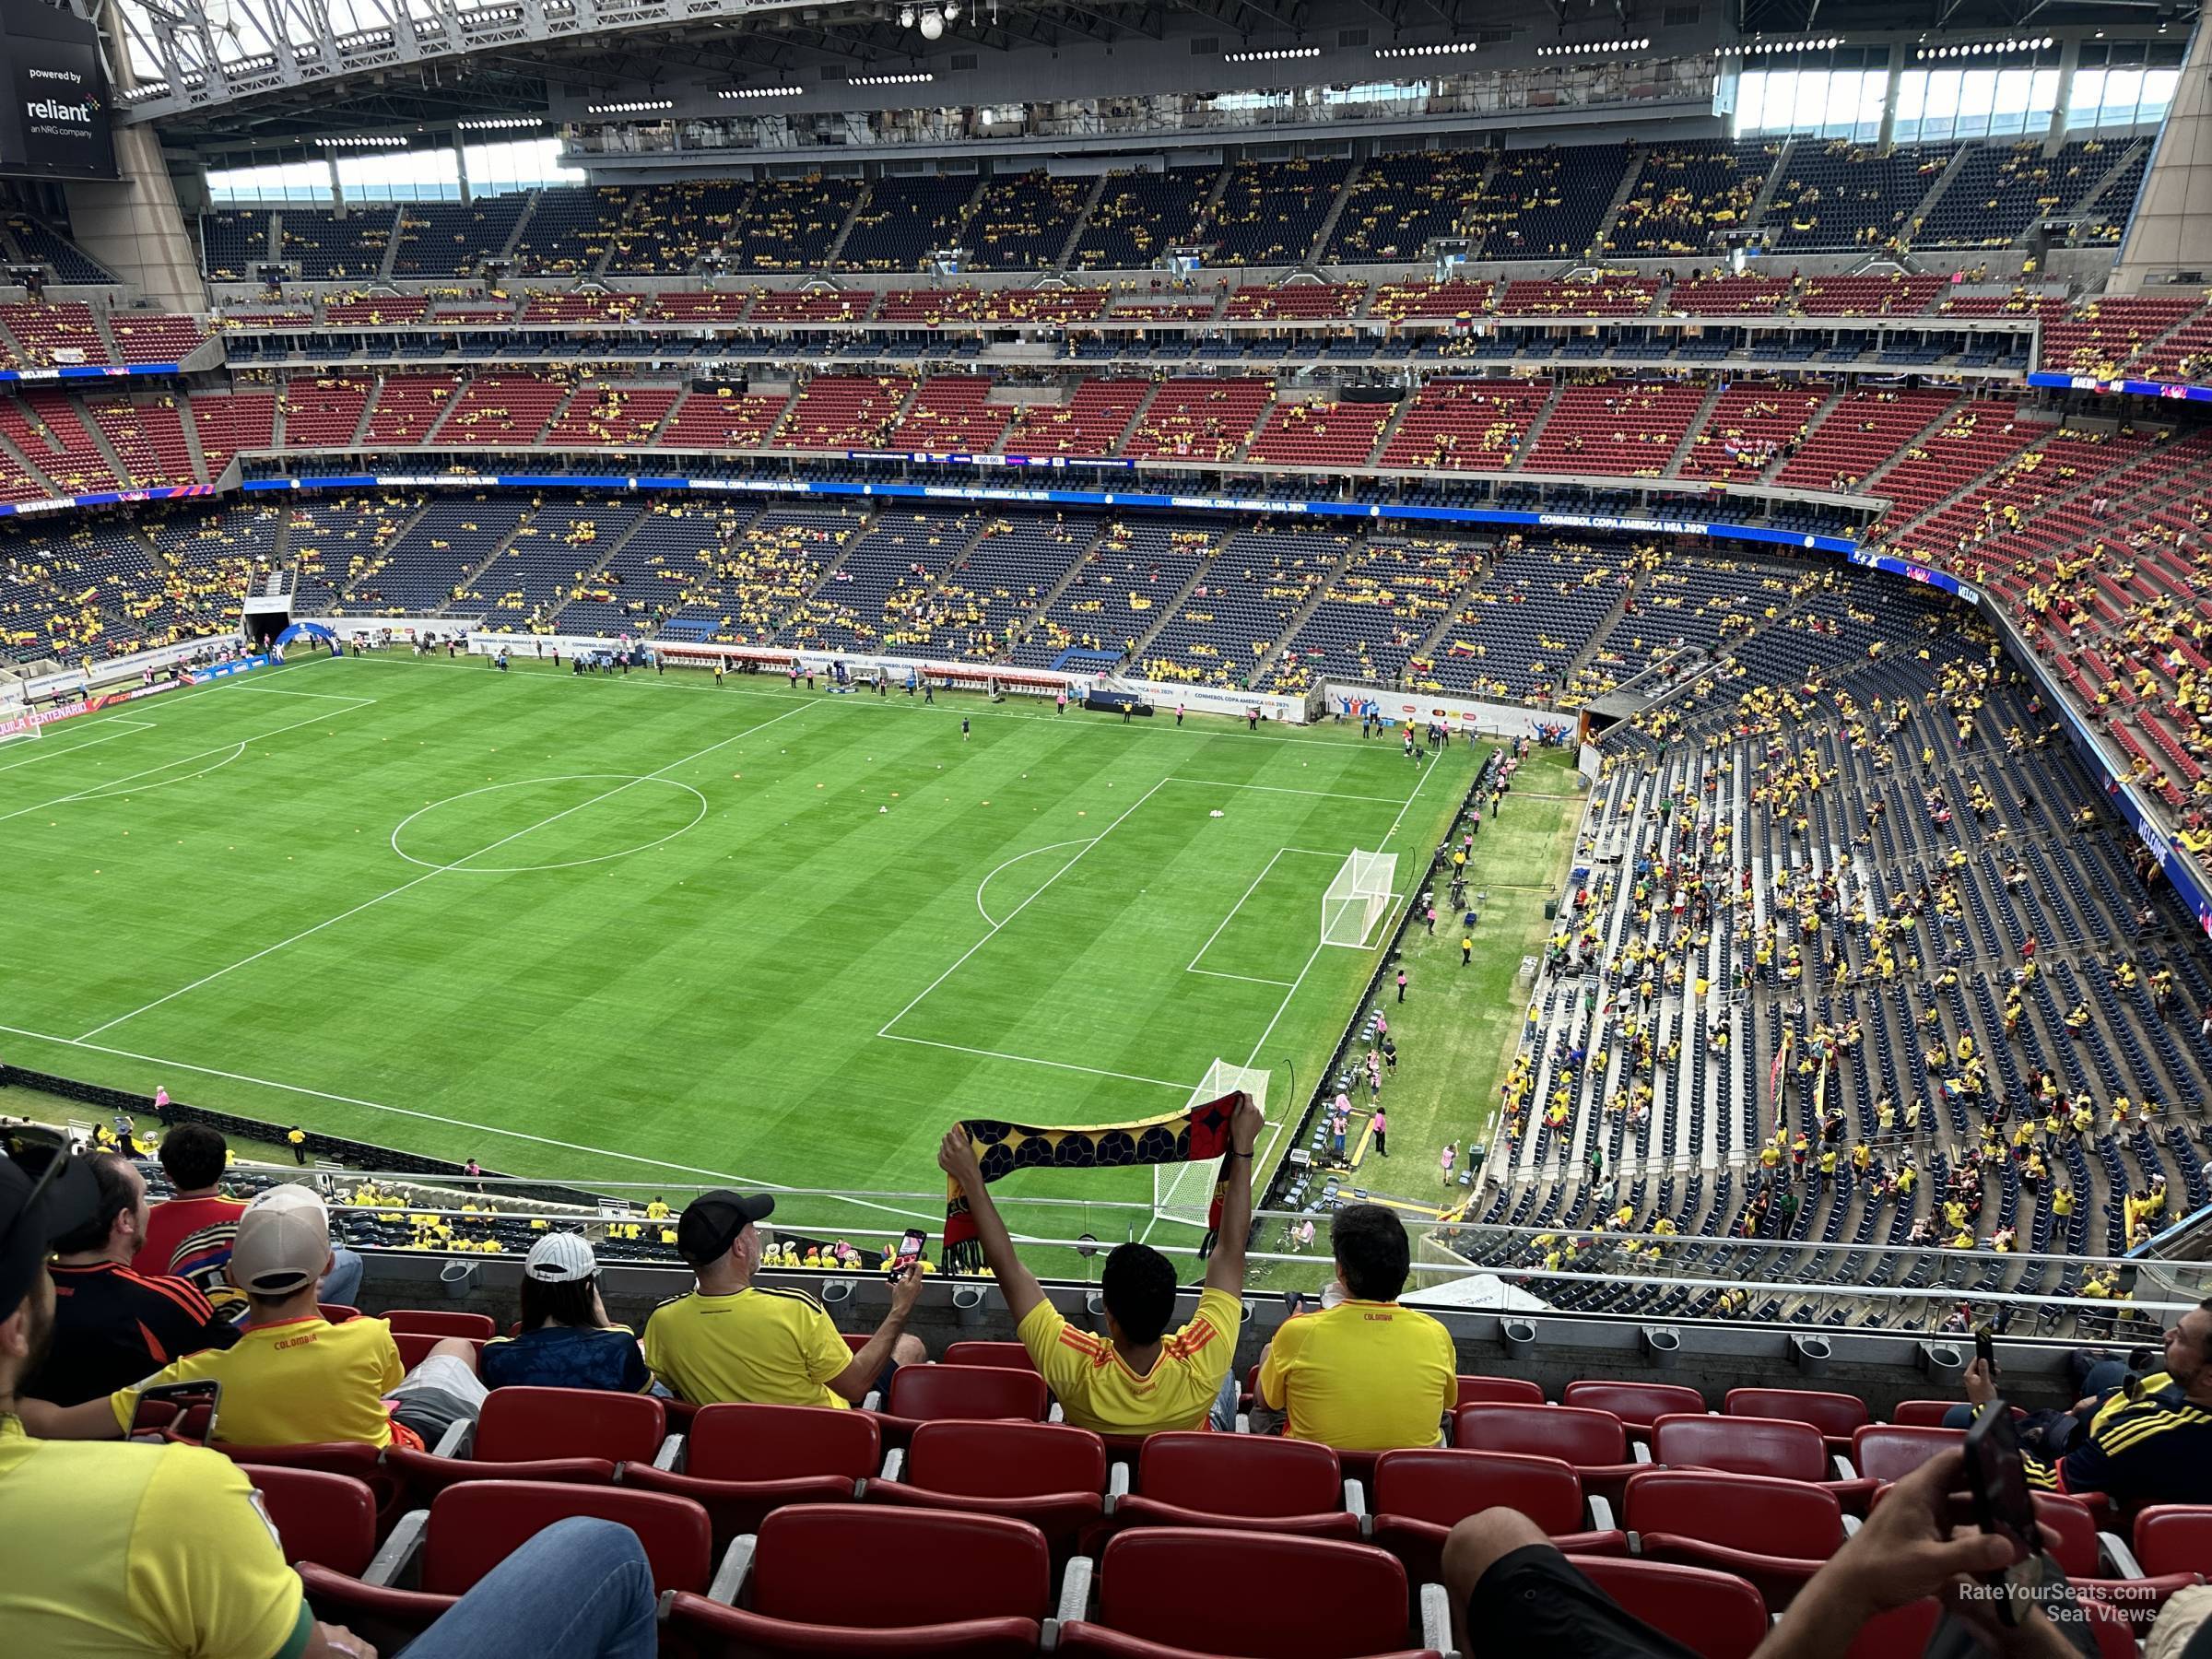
[
  {"x": 1997, "y": 1484},
  {"x": 909, "y": 1252}
]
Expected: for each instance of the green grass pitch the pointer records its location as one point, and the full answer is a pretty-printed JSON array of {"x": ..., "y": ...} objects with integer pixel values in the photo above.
[{"x": 644, "y": 929}]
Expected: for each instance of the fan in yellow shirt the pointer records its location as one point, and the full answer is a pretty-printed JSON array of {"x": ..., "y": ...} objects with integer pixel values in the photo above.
[
  {"x": 1137, "y": 1377},
  {"x": 1366, "y": 1374}
]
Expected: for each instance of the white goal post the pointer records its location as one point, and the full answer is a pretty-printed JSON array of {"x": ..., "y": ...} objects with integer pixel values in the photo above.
[
  {"x": 16, "y": 726},
  {"x": 1359, "y": 898},
  {"x": 1184, "y": 1192}
]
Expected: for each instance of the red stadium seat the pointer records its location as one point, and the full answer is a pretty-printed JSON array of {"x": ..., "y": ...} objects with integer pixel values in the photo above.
[
  {"x": 327, "y": 1519},
  {"x": 1252, "y": 1482},
  {"x": 1750, "y": 1445},
  {"x": 847, "y": 1581},
  {"x": 923, "y": 1393},
  {"x": 1420, "y": 1495},
  {"x": 1922, "y": 1414},
  {"x": 1775, "y": 1532},
  {"x": 1891, "y": 1451},
  {"x": 1046, "y": 1474},
  {"x": 2100, "y": 1566},
  {"x": 2175, "y": 1537},
  {"x": 1012, "y": 1355},
  {"x": 1637, "y": 1404},
  {"x": 1716, "y": 1615},
  {"x": 1899, "y": 1633},
  {"x": 1592, "y": 1442},
  {"x": 1499, "y": 1391},
  {"x": 742, "y": 1463},
  {"x": 1837, "y": 1416},
  {"x": 1168, "y": 1591},
  {"x": 437, "y": 1321},
  {"x": 357, "y": 1459},
  {"x": 552, "y": 1434},
  {"x": 337, "y": 1313},
  {"x": 471, "y": 1528}
]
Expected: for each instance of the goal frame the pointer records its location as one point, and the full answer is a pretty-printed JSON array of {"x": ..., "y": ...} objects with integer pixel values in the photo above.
[
  {"x": 1184, "y": 1192},
  {"x": 1358, "y": 897}
]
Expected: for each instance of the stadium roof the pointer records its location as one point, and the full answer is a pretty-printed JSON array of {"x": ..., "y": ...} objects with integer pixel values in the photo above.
[{"x": 214, "y": 70}]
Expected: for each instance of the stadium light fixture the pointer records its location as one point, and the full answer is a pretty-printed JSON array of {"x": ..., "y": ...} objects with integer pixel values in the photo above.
[
  {"x": 499, "y": 123},
  {"x": 361, "y": 141},
  {"x": 1273, "y": 54},
  {"x": 1439, "y": 49},
  {"x": 917, "y": 79},
  {"x": 931, "y": 25},
  {"x": 1595, "y": 48},
  {"x": 761, "y": 92},
  {"x": 906, "y": 17},
  {"x": 644, "y": 106}
]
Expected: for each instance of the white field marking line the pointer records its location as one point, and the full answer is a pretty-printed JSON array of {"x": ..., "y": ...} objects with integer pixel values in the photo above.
[
  {"x": 1248, "y": 979},
  {"x": 431, "y": 1117},
  {"x": 1404, "y": 807},
  {"x": 654, "y": 682},
  {"x": 427, "y": 875},
  {"x": 960, "y": 1048},
  {"x": 321, "y": 696},
  {"x": 885, "y": 1029},
  {"x": 1192, "y": 966},
  {"x": 52, "y": 749},
  {"x": 1013, "y": 860},
  {"x": 102, "y": 790},
  {"x": 1324, "y": 795}
]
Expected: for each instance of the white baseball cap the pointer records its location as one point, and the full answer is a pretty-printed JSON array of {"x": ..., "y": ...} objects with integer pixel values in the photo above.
[
  {"x": 283, "y": 1241},
  {"x": 561, "y": 1258}
]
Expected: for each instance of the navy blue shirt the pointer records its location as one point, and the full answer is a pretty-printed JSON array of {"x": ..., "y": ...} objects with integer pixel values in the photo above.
[{"x": 566, "y": 1356}]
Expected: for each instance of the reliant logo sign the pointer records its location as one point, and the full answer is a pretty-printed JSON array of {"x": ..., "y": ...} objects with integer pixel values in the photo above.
[{"x": 54, "y": 108}]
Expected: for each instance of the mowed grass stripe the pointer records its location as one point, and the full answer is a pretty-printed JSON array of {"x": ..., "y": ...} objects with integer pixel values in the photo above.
[{"x": 712, "y": 1002}]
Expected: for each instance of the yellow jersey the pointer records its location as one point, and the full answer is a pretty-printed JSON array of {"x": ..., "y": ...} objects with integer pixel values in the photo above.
[
  {"x": 125, "y": 1551},
  {"x": 1096, "y": 1389},
  {"x": 1363, "y": 1375},
  {"x": 295, "y": 1382},
  {"x": 758, "y": 1345}
]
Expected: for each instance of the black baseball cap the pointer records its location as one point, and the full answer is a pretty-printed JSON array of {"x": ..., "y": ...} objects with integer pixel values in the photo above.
[
  {"x": 46, "y": 1191},
  {"x": 711, "y": 1221}
]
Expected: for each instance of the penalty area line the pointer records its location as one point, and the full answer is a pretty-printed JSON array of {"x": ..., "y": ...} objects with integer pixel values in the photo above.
[{"x": 960, "y": 1048}]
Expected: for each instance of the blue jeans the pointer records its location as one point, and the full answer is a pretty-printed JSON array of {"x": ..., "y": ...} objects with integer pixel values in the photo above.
[
  {"x": 581, "y": 1589},
  {"x": 342, "y": 1284},
  {"x": 1222, "y": 1415}
]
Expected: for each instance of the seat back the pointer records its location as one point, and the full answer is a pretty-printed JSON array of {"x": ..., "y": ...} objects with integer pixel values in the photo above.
[
  {"x": 883, "y": 1568},
  {"x": 1499, "y": 1391},
  {"x": 1012, "y": 1355},
  {"x": 1638, "y": 1404},
  {"x": 1837, "y": 1416},
  {"x": 2076, "y": 1551},
  {"x": 1574, "y": 1434},
  {"x": 1239, "y": 1474},
  {"x": 519, "y": 1424},
  {"x": 1892, "y": 1451},
  {"x": 440, "y": 1322},
  {"x": 1446, "y": 1487},
  {"x": 1715, "y": 1615},
  {"x": 327, "y": 1519},
  {"x": 1755, "y": 1512},
  {"x": 476, "y": 1525},
  {"x": 1922, "y": 1414},
  {"x": 2175, "y": 1537},
  {"x": 1742, "y": 1446},
  {"x": 1006, "y": 1460},
  {"x": 1240, "y": 1593},
  {"x": 337, "y": 1313},
  {"x": 782, "y": 1443},
  {"x": 966, "y": 1390}
]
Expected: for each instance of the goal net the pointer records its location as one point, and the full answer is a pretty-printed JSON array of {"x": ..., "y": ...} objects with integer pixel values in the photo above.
[
  {"x": 1184, "y": 1192},
  {"x": 16, "y": 724},
  {"x": 1358, "y": 899}
]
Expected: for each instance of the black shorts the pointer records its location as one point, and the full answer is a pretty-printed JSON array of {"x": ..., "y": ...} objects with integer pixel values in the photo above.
[{"x": 1533, "y": 1601}]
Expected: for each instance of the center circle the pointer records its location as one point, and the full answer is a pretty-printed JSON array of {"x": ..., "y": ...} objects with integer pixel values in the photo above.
[{"x": 553, "y": 823}]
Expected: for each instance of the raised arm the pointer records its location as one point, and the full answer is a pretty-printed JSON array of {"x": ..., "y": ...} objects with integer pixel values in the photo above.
[
  {"x": 1225, "y": 1267},
  {"x": 956, "y": 1157}
]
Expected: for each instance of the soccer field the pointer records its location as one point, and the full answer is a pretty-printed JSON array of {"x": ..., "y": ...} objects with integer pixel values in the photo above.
[{"x": 636, "y": 929}]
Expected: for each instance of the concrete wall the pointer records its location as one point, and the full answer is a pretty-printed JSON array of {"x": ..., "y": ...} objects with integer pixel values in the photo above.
[
  {"x": 2169, "y": 239},
  {"x": 133, "y": 227}
]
